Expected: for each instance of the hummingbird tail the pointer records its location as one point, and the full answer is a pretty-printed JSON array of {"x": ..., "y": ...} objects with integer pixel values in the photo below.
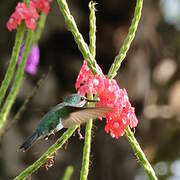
[{"x": 29, "y": 141}]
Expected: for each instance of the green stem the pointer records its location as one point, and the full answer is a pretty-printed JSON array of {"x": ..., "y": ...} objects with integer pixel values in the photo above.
[
  {"x": 40, "y": 27},
  {"x": 92, "y": 31},
  {"x": 112, "y": 73},
  {"x": 88, "y": 131},
  {"x": 140, "y": 154},
  {"x": 17, "y": 82},
  {"x": 68, "y": 173},
  {"x": 71, "y": 24},
  {"x": 50, "y": 152},
  {"x": 31, "y": 38},
  {"x": 86, "y": 151},
  {"x": 13, "y": 62},
  {"x": 127, "y": 42}
]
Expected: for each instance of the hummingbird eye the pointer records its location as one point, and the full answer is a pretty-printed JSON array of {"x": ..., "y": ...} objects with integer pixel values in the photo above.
[{"x": 82, "y": 98}]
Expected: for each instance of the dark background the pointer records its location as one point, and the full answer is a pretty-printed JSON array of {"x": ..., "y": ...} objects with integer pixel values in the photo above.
[{"x": 150, "y": 73}]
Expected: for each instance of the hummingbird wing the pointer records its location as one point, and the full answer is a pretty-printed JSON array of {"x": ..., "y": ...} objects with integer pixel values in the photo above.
[{"x": 81, "y": 115}]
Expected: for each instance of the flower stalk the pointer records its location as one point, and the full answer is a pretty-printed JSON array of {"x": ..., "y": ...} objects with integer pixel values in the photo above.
[
  {"x": 92, "y": 30},
  {"x": 20, "y": 72},
  {"x": 13, "y": 62},
  {"x": 127, "y": 42},
  {"x": 112, "y": 73},
  {"x": 17, "y": 82},
  {"x": 86, "y": 151},
  {"x": 45, "y": 157},
  {"x": 88, "y": 130},
  {"x": 82, "y": 45},
  {"x": 140, "y": 154},
  {"x": 40, "y": 27}
]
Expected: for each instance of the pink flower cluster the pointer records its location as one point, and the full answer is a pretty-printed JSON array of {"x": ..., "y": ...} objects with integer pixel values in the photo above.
[
  {"x": 28, "y": 14},
  {"x": 110, "y": 95}
]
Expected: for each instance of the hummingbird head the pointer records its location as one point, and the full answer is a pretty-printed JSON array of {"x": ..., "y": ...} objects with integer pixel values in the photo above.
[{"x": 76, "y": 99}]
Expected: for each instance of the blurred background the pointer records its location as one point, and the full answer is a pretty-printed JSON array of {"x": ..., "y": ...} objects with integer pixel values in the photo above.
[{"x": 150, "y": 73}]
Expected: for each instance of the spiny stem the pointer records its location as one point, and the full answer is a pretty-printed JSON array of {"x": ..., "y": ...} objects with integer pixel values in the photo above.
[
  {"x": 140, "y": 154},
  {"x": 87, "y": 147},
  {"x": 88, "y": 131},
  {"x": 112, "y": 73},
  {"x": 86, "y": 151},
  {"x": 17, "y": 82},
  {"x": 92, "y": 31},
  {"x": 13, "y": 62},
  {"x": 31, "y": 38},
  {"x": 127, "y": 42},
  {"x": 68, "y": 173},
  {"x": 44, "y": 158},
  {"x": 71, "y": 24}
]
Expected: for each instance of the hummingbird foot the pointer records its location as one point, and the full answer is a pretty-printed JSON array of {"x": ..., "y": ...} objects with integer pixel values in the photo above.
[
  {"x": 47, "y": 137},
  {"x": 79, "y": 133}
]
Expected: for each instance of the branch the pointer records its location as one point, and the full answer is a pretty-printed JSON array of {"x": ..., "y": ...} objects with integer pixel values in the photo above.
[
  {"x": 127, "y": 42},
  {"x": 13, "y": 62},
  {"x": 112, "y": 73},
  {"x": 88, "y": 131},
  {"x": 140, "y": 154},
  {"x": 40, "y": 27},
  {"x": 71, "y": 24},
  {"x": 20, "y": 72},
  {"x": 92, "y": 31},
  {"x": 17, "y": 82},
  {"x": 45, "y": 157}
]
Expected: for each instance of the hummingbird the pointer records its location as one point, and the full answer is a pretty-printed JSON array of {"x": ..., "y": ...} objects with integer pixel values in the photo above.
[{"x": 71, "y": 111}]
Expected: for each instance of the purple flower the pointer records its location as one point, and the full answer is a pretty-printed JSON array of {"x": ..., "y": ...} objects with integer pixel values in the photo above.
[{"x": 32, "y": 60}]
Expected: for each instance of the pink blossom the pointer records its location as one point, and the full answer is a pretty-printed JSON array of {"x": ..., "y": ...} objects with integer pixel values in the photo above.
[
  {"x": 31, "y": 16},
  {"x": 13, "y": 22}
]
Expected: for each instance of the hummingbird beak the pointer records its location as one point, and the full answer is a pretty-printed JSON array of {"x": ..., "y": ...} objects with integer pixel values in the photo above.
[{"x": 92, "y": 100}]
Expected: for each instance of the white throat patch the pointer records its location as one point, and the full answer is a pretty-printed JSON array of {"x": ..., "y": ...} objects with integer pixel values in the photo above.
[
  {"x": 82, "y": 103},
  {"x": 59, "y": 126}
]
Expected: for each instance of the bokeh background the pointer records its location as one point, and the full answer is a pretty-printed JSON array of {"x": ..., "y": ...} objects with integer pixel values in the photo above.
[{"x": 150, "y": 73}]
